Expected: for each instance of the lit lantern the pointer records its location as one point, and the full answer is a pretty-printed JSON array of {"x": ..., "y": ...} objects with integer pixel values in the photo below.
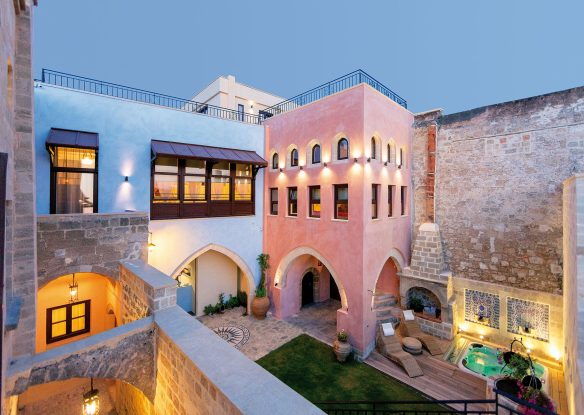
[
  {"x": 151, "y": 245},
  {"x": 73, "y": 291},
  {"x": 91, "y": 401}
]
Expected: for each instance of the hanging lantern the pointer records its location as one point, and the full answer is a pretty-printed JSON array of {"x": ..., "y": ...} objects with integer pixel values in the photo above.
[
  {"x": 91, "y": 401},
  {"x": 73, "y": 291}
]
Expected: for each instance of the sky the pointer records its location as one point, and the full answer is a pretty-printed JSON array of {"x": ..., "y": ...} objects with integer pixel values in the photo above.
[{"x": 454, "y": 55}]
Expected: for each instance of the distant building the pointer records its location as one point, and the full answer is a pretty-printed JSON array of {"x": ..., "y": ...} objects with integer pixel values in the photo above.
[{"x": 226, "y": 92}]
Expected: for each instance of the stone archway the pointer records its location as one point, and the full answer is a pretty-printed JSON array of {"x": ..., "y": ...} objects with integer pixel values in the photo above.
[
  {"x": 394, "y": 263},
  {"x": 229, "y": 254},
  {"x": 44, "y": 279},
  {"x": 280, "y": 277}
]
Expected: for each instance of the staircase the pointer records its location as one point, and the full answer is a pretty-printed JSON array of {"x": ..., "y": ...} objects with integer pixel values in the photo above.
[{"x": 386, "y": 308}]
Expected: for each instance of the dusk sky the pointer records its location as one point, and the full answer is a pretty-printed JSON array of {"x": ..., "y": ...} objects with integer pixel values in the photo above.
[{"x": 456, "y": 55}]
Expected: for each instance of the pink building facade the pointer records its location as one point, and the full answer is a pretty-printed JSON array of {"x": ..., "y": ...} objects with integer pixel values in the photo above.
[{"x": 357, "y": 143}]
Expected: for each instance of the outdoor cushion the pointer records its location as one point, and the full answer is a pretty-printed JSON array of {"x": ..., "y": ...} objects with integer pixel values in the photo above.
[
  {"x": 409, "y": 315},
  {"x": 387, "y": 329}
]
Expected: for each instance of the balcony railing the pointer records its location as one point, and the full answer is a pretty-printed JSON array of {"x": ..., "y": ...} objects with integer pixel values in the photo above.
[
  {"x": 94, "y": 86},
  {"x": 337, "y": 85}
]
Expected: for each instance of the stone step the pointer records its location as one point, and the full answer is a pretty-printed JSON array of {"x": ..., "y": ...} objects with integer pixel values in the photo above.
[
  {"x": 385, "y": 303},
  {"x": 388, "y": 319},
  {"x": 383, "y": 296},
  {"x": 383, "y": 308}
]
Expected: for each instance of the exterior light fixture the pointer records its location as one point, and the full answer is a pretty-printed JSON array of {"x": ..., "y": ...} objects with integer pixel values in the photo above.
[
  {"x": 385, "y": 164},
  {"x": 482, "y": 337},
  {"x": 368, "y": 159},
  {"x": 91, "y": 401},
  {"x": 301, "y": 168},
  {"x": 355, "y": 160},
  {"x": 151, "y": 245},
  {"x": 126, "y": 179},
  {"x": 325, "y": 164},
  {"x": 73, "y": 291}
]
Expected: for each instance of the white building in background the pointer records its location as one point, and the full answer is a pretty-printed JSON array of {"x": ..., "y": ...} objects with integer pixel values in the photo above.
[{"x": 226, "y": 92}]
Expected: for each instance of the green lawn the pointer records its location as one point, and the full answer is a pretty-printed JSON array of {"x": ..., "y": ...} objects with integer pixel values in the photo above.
[{"x": 311, "y": 369}]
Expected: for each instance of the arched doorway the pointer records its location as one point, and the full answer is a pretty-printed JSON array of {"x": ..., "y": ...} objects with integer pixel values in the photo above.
[
  {"x": 388, "y": 280},
  {"x": 308, "y": 288},
  {"x": 334, "y": 292},
  {"x": 75, "y": 306}
]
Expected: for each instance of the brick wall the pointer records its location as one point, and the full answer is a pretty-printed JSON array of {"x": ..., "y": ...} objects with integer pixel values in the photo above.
[
  {"x": 574, "y": 291},
  {"x": 89, "y": 243},
  {"x": 144, "y": 290},
  {"x": 129, "y": 400},
  {"x": 498, "y": 199}
]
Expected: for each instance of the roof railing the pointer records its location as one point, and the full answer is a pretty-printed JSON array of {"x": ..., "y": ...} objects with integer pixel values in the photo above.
[
  {"x": 332, "y": 87},
  {"x": 94, "y": 86}
]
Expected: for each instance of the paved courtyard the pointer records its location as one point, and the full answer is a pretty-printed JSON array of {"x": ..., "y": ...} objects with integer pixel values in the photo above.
[{"x": 256, "y": 338}]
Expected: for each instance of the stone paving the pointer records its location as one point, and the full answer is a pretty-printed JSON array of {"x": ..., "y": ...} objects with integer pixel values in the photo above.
[{"x": 318, "y": 320}]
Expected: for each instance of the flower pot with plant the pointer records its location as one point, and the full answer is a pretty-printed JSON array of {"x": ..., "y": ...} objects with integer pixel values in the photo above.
[
  {"x": 261, "y": 303},
  {"x": 341, "y": 346}
]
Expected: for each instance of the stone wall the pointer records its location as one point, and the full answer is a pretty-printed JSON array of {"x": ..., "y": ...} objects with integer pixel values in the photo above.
[
  {"x": 129, "y": 400},
  {"x": 89, "y": 243},
  {"x": 144, "y": 290},
  {"x": 125, "y": 353},
  {"x": 498, "y": 187},
  {"x": 574, "y": 291}
]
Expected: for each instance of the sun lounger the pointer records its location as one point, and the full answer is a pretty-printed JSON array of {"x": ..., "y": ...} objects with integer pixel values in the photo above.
[
  {"x": 412, "y": 329},
  {"x": 389, "y": 345}
]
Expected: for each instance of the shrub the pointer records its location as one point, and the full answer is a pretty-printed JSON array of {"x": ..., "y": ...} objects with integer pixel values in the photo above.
[
  {"x": 263, "y": 261},
  {"x": 518, "y": 366},
  {"x": 209, "y": 309},
  {"x": 342, "y": 336},
  {"x": 242, "y": 298}
]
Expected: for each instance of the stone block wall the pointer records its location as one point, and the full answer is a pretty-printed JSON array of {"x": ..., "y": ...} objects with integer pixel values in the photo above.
[
  {"x": 574, "y": 291},
  {"x": 144, "y": 290},
  {"x": 129, "y": 400},
  {"x": 498, "y": 197},
  {"x": 89, "y": 243}
]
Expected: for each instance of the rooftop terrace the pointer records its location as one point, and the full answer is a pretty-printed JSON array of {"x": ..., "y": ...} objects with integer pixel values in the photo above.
[{"x": 95, "y": 86}]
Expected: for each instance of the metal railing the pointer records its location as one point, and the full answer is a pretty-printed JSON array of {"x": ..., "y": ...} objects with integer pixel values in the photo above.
[
  {"x": 336, "y": 85},
  {"x": 94, "y": 86},
  {"x": 496, "y": 406}
]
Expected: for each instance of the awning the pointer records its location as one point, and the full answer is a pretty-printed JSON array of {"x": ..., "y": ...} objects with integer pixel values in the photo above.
[
  {"x": 196, "y": 151},
  {"x": 59, "y": 137}
]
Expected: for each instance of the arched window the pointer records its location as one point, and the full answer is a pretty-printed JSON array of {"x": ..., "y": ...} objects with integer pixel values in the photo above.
[
  {"x": 275, "y": 161},
  {"x": 373, "y": 152},
  {"x": 343, "y": 149},
  {"x": 388, "y": 153},
  {"x": 294, "y": 158},
  {"x": 316, "y": 154}
]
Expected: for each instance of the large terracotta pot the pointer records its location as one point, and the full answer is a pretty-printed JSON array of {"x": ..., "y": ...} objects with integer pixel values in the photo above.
[
  {"x": 260, "y": 307},
  {"x": 342, "y": 350}
]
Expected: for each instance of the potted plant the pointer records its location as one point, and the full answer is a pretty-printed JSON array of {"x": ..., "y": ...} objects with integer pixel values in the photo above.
[
  {"x": 261, "y": 303},
  {"x": 341, "y": 346},
  {"x": 416, "y": 304},
  {"x": 534, "y": 397}
]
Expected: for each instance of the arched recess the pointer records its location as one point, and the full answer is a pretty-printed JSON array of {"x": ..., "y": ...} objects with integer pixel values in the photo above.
[
  {"x": 270, "y": 160},
  {"x": 376, "y": 137},
  {"x": 335, "y": 147},
  {"x": 399, "y": 261},
  {"x": 287, "y": 261},
  {"x": 77, "y": 269},
  {"x": 229, "y": 254},
  {"x": 309, "y": 148},
  {"x": 390, "y": 151},
  {"x": 288, "y": 157}
]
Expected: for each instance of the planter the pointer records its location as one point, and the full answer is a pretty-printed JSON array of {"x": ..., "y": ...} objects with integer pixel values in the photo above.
[
  {"x": 507, "y": 385},
  {"x": 260, "y": 307},
  {"x": 342, "y": 350},
  {"x": 532, "y": 381},
  {"x": 507, "y": 356}
]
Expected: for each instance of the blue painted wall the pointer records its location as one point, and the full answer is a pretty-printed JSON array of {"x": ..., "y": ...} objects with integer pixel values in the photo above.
[{"x": 125, "y": 130}]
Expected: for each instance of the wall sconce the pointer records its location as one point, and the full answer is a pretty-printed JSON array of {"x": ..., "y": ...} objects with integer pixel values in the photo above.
[
  {"x": 151, "y": 245},
  {"x": 385, "y": 164},
  {"x": 399, "y": 166},
  {"x": 355, "y": 160},
  {"x": 73, "y": 291},
  {"x": 91, "y": 401},
  {"x": 368, "y": 159},
  {"x": 126, "y": 179},
  {"x": 281, "y": 169},
  {"x": 301, "y": 167}
]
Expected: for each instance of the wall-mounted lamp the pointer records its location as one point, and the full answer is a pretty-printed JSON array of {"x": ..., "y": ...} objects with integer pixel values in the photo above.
[
  {"x": 126, "y": 179},
  {"x": 368, "y": 159},
  {"x": 355, "y": 160},
  {"x": 385, "y": 164},
  {"x": 399, "y": 166},
  {"x": 73, "y": 291},
  {"x": 91, "y": 401},
  {"x": 301, "y": 168},
  {"x": 325, "y": 164},
  {"x": 281, "y": 169},
  {"x": 151, "y": 245}
]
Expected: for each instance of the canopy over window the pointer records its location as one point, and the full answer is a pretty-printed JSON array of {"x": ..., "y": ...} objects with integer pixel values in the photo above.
[
  {"x": 196, "y": 151},
  {"x": 59, "y": 137}
]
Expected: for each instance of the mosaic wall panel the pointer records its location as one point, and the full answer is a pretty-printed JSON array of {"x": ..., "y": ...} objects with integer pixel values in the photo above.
[
  {"x": 482, "y": 308},
  {"x": 528, "y": 318}
]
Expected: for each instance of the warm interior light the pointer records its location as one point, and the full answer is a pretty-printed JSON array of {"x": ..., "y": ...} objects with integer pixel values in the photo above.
[
  {"x": 91, "y": 401},
  {"x": 86, "y": 159},
  {"x": 482, "y": 337}
]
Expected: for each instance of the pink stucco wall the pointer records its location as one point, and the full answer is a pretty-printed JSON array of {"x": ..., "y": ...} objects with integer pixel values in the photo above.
[{"x": 354, "y": 251}]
